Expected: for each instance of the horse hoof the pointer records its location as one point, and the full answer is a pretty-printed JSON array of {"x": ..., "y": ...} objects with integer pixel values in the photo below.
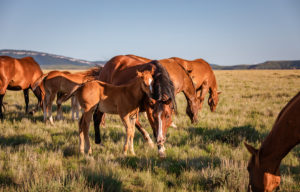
[
  {"x": 97, "y": 141},
  {"x": 162, "y": 152},
  {"x": 151, "y": 144}
]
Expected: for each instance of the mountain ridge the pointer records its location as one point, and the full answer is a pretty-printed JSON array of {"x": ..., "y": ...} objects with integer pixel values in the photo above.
[{"x": 53, "y": 61}]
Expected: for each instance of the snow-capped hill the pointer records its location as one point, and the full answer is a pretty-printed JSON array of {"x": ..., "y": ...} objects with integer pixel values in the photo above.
[{"x": 47, "y": 60}]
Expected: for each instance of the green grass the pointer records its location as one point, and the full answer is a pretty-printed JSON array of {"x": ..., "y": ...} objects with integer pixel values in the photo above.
[{"x": 208, "y": 156}]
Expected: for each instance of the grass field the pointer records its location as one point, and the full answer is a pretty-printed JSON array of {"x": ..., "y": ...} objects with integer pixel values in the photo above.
[{"x": 208, "y": 156}]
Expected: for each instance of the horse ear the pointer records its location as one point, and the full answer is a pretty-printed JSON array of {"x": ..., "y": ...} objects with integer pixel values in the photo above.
[
  {"x": 151, "y": 102},
  {"x": 139, "y": 74},
  {"x": 219, "y": 92},
  {"x": 271, "y": 181},
  {"x": 168, "y": 101},
  {"x": 251, "y": 149}
]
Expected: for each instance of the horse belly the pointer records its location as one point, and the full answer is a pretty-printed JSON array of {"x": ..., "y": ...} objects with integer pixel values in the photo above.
[{"x": 108, "y": 108}]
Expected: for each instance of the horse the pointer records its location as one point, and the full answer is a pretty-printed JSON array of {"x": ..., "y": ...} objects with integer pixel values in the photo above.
[
  {"x": 19, "y": 74},
  {"x": 61, "y": 83},
  {"x": 263, "y": 167},
  {"x": 122, "y": 69},
  {"x": 182, "y": 83},
  {"x": 123, "y": 100},
  {"x": 204, "y": 80}
]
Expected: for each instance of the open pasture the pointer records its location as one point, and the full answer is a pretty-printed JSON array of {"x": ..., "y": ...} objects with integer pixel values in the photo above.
[{"x": 207, "y": 156}]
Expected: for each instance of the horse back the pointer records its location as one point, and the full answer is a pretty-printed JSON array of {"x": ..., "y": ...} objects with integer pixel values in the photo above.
[{"x": 121, "y": 70}]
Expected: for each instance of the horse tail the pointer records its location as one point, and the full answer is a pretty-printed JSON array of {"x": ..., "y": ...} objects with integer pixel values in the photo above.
[
  {"x": 73, "y": 92},
  {"x": 39, "y": 81}
]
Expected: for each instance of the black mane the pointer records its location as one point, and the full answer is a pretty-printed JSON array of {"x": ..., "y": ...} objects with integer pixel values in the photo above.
[{"x": 162, "y": 84}]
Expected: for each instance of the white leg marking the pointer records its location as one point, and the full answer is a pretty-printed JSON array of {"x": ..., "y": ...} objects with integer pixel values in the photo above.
[{"x": 160, "y": 135}]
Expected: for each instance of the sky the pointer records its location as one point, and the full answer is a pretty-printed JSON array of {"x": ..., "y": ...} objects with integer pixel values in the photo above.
[{"x": 221, "y": 32}]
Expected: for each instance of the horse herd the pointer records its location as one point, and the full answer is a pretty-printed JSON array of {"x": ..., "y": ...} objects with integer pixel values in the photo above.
[{"x": 129, "y": 84}]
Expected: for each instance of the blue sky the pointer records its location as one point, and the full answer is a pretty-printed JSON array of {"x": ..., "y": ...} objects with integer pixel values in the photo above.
[{"x": 222, "y": 32}]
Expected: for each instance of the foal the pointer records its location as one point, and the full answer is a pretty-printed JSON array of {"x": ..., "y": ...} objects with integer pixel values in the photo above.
[
  {"x": 61, "y": 83},
  {"x": 123, "y": 100}
]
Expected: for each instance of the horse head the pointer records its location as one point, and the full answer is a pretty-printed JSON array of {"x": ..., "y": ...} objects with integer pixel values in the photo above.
[
  {"x": 259, "y": 179},
  {"x": 146, "y": 82},
  {"x": 213, "y": 99},
  {"x": 162, "y": 105}
]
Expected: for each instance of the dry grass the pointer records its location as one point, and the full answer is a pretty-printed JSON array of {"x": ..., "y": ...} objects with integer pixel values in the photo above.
[{"x": 208, "y": 156}]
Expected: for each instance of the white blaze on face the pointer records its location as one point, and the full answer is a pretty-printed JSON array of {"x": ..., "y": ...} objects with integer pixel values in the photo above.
[
  {"x": 160, "y": 134},
  {"x": 150, "y": 81}
]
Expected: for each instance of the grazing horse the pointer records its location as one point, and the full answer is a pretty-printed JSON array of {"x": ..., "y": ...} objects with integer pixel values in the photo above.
[
  {"x": 61, "y": 83},
  {"x": 122, "y": 69},
  {"x": 204, "y": 80},
  {"x": 182, "y": 83},
  {"x": 123, "y": 100},
  {"x": 263, "y": 167},
  {"x": 19, "y": 74}
]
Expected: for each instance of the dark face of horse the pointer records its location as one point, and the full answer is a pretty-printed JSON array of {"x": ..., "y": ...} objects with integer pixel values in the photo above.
[
  {"x": 162, "y": 116},
  {"x": 213, "y": 100},
  {"x": 259, "y": 180}
]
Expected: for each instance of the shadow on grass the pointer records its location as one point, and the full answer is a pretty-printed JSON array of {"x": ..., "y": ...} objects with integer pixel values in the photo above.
[
  {"x": 103, "y": 181},
  {"x": 6, "y": 180},
  {"x": 20, "y": 114},
  {"x": 233, "y": 136},
  {"x": 13, "y": 141},
  {"x": 168, "y": 165}
]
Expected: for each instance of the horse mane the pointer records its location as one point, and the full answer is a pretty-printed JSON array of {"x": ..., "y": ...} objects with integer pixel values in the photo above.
[
  {"x": 92, "y": 73},
  {"x": 162, "y": 84},
  {"x": 280, "y": 115}
]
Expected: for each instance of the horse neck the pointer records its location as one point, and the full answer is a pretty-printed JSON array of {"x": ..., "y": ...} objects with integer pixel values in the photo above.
[{"x": 283, "y": 137}]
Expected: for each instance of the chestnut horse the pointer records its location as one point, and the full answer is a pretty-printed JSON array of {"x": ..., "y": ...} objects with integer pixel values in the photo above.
[
  {"x": 263, "y": 167},
  {"x": 123, "y": 100},
  {"x": 19, "y": 74},
  {"x": 204, "y": 80},
  {"x": 61, "y": 83},
  {"x": 182, "y": 83},
  {"x": 122, "y": 69}
]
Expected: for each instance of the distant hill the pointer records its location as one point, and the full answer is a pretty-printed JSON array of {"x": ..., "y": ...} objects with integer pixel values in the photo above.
[
  {"x": 266, "y": 65},
  {"x": 52, "y": 61}
]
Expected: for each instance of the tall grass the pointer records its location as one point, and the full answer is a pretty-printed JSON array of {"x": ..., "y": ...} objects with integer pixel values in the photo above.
[{"x": 208, "y": 156}]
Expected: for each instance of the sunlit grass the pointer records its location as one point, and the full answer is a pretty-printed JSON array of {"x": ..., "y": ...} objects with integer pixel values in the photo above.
[{"x": 208, "y": 156}]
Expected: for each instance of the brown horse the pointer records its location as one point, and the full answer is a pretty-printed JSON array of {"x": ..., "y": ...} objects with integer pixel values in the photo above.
[
  {"x": 204, "y": 80},
  {"x": 61, "y": 83},
  {"x": 263, "y": 167},
  {"x": 123, "y": 100},
  {"x": 121, "y": 70},
  {"x": 19, "y": 74},
  {"x": 182, "y": 83}
]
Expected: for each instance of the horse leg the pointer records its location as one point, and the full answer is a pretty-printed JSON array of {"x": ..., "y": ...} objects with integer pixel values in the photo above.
[
  {"x": 144, "y": 133},
  {"x": 49, "y": 107},
  {"x": 97, "y": 116},
  {"x": 132, "y": 122},
  {"x": 37, "y": 92},
  {"x": 74, "y": 107},
  {"x": 128, "y": 128},
  {"x": 3, "y": 86},
  {"x": 84, "y": 125},
  {"x": 26, "y": 97},
  {"x": 59, "y": 99},
  {"x": 1, "y": 104},
  {"x": 203, "y": 91}
]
